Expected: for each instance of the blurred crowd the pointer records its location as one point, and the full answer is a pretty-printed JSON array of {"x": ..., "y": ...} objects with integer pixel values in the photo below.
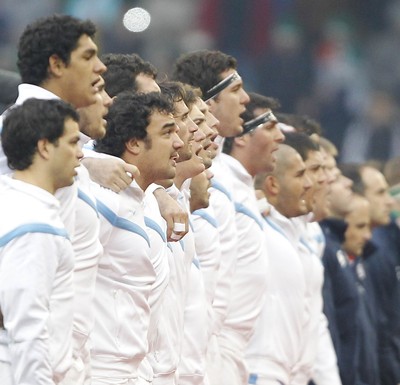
[{"x": 336, "y": 61}]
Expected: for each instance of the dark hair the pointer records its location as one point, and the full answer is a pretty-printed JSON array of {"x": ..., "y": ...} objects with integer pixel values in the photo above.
[
  {"x": 328, "y": 146},
  {"x": 391, "y": 171},
  {"x": 128, "y": 118},
  {"x": 353, "y": 172},
  {"x": 9, "y": 82},
  {"x": 122, "y": 70},
  {"x": 30, "y": 122},
  {"x": 228, "y": 145},
  {"x": 202, "y": 68},
  {"x": 302, "y": 123},
  {"x": 53, "y": 35},
  {"x": 301, "y": 142},
  {"x": 259, "y": 101},
  {"x": 256, "y": 101},
  {"x": 174, "y": 91},
  {"x": 191, "y": 95},
  {"x": 286, "y": 118}
]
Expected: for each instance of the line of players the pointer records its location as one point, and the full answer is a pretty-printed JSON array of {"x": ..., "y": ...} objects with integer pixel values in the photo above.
[{"x": 203, "y": 239}]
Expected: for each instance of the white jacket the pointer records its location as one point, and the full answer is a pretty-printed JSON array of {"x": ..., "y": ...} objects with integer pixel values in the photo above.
[
  {"x": 36, "y": 288},
  {"x": 192, "y": 365},
  {"x": 223, "y": 208},
  {"x": 276, "y": 344},
  {"x": 165, "y": 348},
  {"x": 124, "y": 281},
  {"x": 250, "y": 278},
  {"x": 208, "y": 250},
  {"x": 251, "y": 269},
  {"x": 159, "y": 256},
  {"x": 87, "y": 251},
  {"x": 317, "y": 342}
]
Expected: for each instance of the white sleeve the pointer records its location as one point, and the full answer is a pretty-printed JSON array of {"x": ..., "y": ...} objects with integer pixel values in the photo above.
[
  {"x": 209, "y": 254},
  {"x": 153, "y": 187},
  {"x": 89, "y": 152},
  {"x": 225, "y": 216},
  {"x": 27, "y": 271}
]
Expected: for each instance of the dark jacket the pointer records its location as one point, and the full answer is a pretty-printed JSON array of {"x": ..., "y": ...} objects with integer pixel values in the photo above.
[
  {"x": 341, "y": 300},
  {"x": 383, "y": 268}
]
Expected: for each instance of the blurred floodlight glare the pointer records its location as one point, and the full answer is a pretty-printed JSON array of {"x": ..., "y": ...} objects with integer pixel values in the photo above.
[{"x": 136, "y": 19}]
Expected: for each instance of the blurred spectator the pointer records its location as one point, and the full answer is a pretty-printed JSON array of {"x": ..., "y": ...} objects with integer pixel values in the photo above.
[
  {"x": 285, "y": 70},
  {"x": 375, "y": 134},
  {"x": 391, "y": 170},
  {"x": 382, "y": 53},
  {"x": 339, "y": 79}
]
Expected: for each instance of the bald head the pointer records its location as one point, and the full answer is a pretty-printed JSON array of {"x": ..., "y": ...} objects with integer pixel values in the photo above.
[
  {"x": 284, "y": 157},
  {"x": 285, "y": 187}
]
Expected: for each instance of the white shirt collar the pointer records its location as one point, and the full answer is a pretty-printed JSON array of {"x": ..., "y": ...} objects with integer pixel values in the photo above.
[
  {"x": 83, "y": 139},
  {"x": 286, "y": 224},
  {"x": 30, "y": 189},
  {"x": 238, "y": 170},
  {"x": 27, "y": 91}
]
